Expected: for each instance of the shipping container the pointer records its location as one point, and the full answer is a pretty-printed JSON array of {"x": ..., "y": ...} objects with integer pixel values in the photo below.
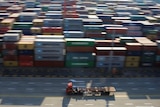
[
  {"x": 10, "y": 63},
  {"x": 86, "y": 42},
  {"x": 132, "y": 64}
]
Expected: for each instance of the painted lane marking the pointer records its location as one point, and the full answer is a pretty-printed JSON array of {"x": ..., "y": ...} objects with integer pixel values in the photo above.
[
  {"x": 48, "y": 83},
  {"x": 89, "y": 104},
  {"x": 29, "y": 89},
  {"x": 110, "y": 104},
  {"x": 14, "y": 82},
  {"x": 119, "y": 89},
  {"x": 135, "y": 89},
  {"x": 147, "y": 103},
  {"x": 63, "y": 89},
  {"x": 49, "y": 104},
  {"x": 31, "y": 83},
  {"x": 151, "y": 88},
  {"x": 11, "y": 88},
  {"x": 114, "y": 83},
  {"x": 47, "y": 89},
  {"x": 129, "y": 104}
]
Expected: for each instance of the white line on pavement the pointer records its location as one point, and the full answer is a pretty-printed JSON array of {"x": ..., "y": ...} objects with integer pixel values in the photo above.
[
  {"x": 47, "y": 89},
  {"x": 14, "y": 82},
  {"x": 147, "y": 103},
  {"x": 151, "y": 88},
  {"x": 11, "y": 88},
  {"x": 128, "y": 104},
  {"x": 49, "y": 104},
  {"x": 48, "y": 83},
  {"x": 110, "y": 104},
  {"x": 135, "y": 89},
  {"x": 114, "y": 83},
  {"x": 88, "y": 104},
  {"x": 29, "y": 89},
  {"x": 31, "y": 83},
  {"x": 119, "y": 89}
]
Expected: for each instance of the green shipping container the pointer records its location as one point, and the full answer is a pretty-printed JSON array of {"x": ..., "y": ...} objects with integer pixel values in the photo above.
[
  {"x": 25, "y": 25},
  {"x": 148, "y": 58},
  {"x": 73, "y": 56},
  {"x": 151, "y": 32},
  {"x": 44, "y": 8},
  {"x": 80, "y": 64},
  {"x": 80, "y": 42}
]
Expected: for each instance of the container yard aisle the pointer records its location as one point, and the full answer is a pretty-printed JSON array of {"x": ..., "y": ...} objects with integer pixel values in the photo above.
[{"x": 43, "y": 92}]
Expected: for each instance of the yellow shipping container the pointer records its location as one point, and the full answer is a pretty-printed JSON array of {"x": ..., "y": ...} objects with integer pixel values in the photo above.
[
  {"x": 36, "y": 30},
  {"x": 132, "y": 58},
  {"x": 38, "y": 22},
  {"x": 14, "y": 15},
  {"x": 132, "y": 64},
  {"x": 25, "y": 45},
  {"x": 7, "y": 22},
  {"x": 10, "y": 63}
]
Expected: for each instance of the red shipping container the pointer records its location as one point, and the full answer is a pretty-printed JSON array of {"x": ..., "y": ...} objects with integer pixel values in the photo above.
[
  {"x": 26, "y": 58},
  {"x": 10, "y": 45},
  {"x": 49, "y": 63},
  {"x": 10, "y": 58},
  {"x": 26, "y": 63},
  {"x": 46, "y": 30},
  {"x": 4, "y": 29},
  {"x": 56, "y": 29},
  {"x": 116, "y": 30}
]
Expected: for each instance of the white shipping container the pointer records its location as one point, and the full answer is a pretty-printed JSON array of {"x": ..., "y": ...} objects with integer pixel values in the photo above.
[
  {"x": 50, "y": 51},
  {"x": 109, "y": 59},
  {"x": 47, "y": 57},
  {"x": 11, "y": 37},
  {"x": 107, "y": 64},
  {"x": 50, "y": 43}
]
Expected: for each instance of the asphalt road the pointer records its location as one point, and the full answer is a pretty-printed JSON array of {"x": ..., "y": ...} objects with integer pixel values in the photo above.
[{"x": 50, "y": 92}]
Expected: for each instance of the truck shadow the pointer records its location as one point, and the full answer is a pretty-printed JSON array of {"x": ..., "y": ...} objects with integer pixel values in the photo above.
[{"x": 67, "y": 99}]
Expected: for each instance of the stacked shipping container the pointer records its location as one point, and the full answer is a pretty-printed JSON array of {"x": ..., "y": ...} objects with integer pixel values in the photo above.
[
  {"x": 82, "y": 27},
  {"x": 49, "y": 52},
  {"x": 80, "y": 52}
]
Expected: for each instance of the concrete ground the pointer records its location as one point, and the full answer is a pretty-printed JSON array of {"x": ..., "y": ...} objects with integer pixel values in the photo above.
[{"x": 50, "y": 92}]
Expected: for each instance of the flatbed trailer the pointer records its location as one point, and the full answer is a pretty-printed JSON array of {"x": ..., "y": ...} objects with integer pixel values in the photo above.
[{"x": 89, "y": 91}]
